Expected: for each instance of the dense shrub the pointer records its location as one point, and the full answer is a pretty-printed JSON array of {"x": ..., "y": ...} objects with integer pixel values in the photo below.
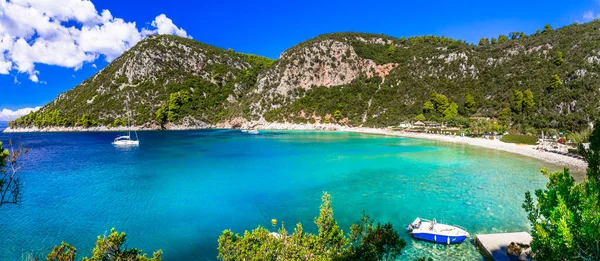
[{"x": 520, "y": 139}]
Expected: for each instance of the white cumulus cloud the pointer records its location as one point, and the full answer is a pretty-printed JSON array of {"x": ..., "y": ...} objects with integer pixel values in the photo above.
[
  {"x": 9, "y": 115},
  {"x": 164, "y": 25},
  {"x": 66, "y": 33},
  {"x": 590, "y": 15},
  {"x": 33, "y": 78}
]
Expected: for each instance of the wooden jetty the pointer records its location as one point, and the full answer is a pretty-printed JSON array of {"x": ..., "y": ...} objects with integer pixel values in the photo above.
[{"x": 493, "y": 246}]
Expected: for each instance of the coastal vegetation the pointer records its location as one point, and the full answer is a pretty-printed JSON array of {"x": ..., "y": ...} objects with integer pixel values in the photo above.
[
  {"x": 525, "y": 83},
  {"x": 108, "y": 248},
  {"x": 582, "y": 136},
  {"x": 565, "y": 219},
  {"x": 366, "y": 241},
  {"x": 519, "y": 139},
  {"x": 10, "y": 179},
  {"x": 3, "y": 155}
]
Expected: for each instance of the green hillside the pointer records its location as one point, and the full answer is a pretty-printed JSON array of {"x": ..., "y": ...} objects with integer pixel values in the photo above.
[
  {"x": 545, "y": 80},
  {"x": 495, "y": 75}
]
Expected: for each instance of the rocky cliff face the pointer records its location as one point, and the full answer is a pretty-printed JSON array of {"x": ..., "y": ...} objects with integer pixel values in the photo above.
[
  {"x": 157, "y": 56},
  {"x": 324, "y": 63}
]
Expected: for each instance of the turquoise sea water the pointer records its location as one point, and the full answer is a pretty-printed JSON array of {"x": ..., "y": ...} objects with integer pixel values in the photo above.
[{"x": 179, "y": 190}]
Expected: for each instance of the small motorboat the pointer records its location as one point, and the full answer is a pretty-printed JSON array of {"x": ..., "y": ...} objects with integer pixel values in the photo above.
[
  {"x": 244, "y": 131},
  {"x": 253, "y": 132},
  {"x": 435, "y": 232}
]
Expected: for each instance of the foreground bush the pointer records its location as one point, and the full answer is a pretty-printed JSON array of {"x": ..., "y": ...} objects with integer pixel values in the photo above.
[
  {"x": 108, "y": 248},
  {"x": 565, "y": 218},
  {"x": 520, "y": 139},
  {"x": 366, "y": 241}
]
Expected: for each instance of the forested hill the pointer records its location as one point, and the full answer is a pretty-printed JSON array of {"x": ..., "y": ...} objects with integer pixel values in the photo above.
[{"x": 545, "y": 80}]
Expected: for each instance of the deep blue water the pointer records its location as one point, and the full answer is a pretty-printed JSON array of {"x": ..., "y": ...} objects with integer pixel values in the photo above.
[{"x": 178, "y": 190}]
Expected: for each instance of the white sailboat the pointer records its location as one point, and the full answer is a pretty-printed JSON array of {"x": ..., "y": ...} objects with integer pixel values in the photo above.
[{"x": 126, "y": 140}]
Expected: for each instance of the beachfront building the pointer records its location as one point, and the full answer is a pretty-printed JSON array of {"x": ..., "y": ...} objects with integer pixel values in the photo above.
[{"x": 419, "y": 124}]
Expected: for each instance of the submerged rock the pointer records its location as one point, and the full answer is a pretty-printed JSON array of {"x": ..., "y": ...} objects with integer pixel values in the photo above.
[{"x": 516, "y": 251}]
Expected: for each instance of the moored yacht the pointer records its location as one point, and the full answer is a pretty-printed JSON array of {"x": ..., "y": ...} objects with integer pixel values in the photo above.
[{"x": 126, "y": 141}]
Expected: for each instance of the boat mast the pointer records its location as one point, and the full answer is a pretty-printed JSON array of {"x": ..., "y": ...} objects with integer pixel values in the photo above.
[
  {"x": 128, "y": 116},
  {"x": 128, "y": 121}
]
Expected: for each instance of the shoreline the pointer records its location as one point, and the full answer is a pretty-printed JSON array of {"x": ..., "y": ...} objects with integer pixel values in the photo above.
[
  {"x": 520, "y": 149},
  {"x": 100, "y": 129},
  {"x": 573, "y": 164}
]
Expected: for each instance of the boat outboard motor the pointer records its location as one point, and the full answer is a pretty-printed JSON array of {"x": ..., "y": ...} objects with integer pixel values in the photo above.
[{"x": 414, "y": 225}]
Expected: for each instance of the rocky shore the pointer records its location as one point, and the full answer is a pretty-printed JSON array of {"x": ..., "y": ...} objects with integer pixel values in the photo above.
[
  {"x": 521, "y": 149},
  {"x": 101, "y": 129},
  {"x": 186, "y": 126}
]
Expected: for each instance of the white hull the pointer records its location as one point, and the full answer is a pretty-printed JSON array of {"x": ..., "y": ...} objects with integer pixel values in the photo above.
[
  {"x": 436, "y": 232},
  {"x": 127, "y": 143},
  {"x": 126, "y": 140}
]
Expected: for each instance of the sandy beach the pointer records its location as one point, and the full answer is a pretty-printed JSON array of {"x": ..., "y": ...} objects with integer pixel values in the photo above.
[{"x": 521, "y": 149}]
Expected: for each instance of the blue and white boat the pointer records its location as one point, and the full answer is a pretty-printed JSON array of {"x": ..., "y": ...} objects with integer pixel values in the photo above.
[{"x": 435, "y": 232}]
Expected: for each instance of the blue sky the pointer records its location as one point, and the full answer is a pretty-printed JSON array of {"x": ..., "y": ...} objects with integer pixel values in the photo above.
[{"x": 269, "y": 27}]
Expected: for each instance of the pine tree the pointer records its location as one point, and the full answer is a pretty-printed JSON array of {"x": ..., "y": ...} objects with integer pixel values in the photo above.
[
  {"x": 470, "y": 104},
  {"x": 505, "y": 115},
  {"x": 502, "y": 38},
  {"x": 428, "y": 107},
  {"x": 484, "y": 41},
  {"x": 391, "y": 50},
  {"x": 555, "y": 82},
  {"x": 528, "y": 101},
  {"x": 559, "y": 58},
  {"x": 331, "y": 237},
  {"x": 517, "y": 105},
  {"x": 451, "y": 111},
  {"x": 440, "y": 103}
]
